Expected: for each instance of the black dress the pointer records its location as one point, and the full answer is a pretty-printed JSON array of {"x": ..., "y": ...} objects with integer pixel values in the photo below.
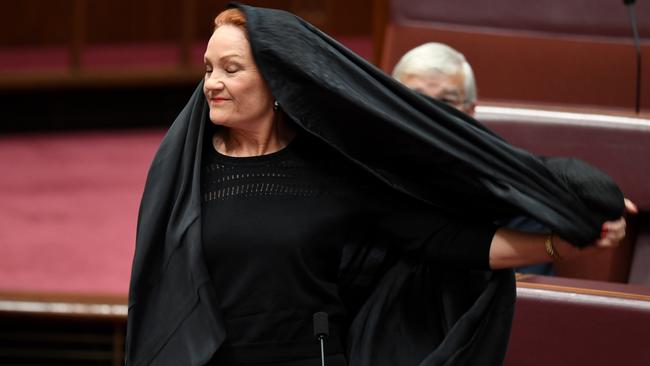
[{"x": 275, "y": 228}]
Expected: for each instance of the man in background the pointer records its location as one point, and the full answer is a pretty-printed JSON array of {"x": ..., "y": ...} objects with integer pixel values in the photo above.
[{"x": 441, "y": 72}]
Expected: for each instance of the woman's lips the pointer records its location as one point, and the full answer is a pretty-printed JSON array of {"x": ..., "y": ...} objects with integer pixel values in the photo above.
[{"x": 218, "y": 100}]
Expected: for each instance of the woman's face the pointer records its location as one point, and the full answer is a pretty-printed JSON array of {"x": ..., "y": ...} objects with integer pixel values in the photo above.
[{"x": 236, "y": 93}]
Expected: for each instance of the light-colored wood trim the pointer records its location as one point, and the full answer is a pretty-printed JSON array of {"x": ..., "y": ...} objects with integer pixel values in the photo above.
[
  {"x": 64, "y": 297},
  {"x": 64, "y": 304},
  {"x": 580, "y": 290},
  {"x": 559, "y": 116}
]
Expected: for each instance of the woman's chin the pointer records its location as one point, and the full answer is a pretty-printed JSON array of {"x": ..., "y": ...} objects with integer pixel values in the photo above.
[{"x": 217, "y": 119}]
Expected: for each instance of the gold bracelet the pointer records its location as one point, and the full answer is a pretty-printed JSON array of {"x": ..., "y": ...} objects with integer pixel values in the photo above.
[{"x": 550, "y": 248}]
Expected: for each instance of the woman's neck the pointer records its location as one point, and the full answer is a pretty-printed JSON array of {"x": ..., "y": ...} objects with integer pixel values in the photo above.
[{"x": 241, "y": 142}]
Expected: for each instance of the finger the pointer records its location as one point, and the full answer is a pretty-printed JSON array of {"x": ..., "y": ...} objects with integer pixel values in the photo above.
[
  {"x": 612, "y": 239},
  {"x": 614, "y": 236},
  {"x": 607, "y": 243},
  {"x": 603, "y": 243},
  {"x": 630, "y": 207},
  {"x": 617, "y": 225}
]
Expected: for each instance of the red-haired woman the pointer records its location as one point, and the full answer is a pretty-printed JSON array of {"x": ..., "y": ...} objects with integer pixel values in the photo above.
[{"x": 299, "y": 179}]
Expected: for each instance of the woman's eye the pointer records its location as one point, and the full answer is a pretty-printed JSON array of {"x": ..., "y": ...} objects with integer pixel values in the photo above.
[
  {"x": 208, "y": 71},
  {"x": 231, "y": 68}
]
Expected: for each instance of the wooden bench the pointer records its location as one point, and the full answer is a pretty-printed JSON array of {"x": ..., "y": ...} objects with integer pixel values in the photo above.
[
  {"x": 557, "y": 322},
  {"x": 62, "y": 329}
]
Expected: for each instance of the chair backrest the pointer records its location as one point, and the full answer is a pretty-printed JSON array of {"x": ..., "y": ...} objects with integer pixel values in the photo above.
[
  {"x": 572, "y": 322},
  {"x": 560, "y": 52},
  {"x": 620, "y": 146}
]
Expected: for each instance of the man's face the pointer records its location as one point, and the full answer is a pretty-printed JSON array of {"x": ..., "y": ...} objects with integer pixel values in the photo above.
[{"x": 445, "y": 88}]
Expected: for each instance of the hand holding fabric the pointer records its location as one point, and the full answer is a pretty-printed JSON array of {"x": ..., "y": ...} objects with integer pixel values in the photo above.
[{"x": 612, "y": 234}]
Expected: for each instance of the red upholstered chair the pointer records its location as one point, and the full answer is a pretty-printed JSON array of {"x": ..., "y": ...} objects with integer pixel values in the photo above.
[
  {"x": 570, "y": 52},
  {"x": 575, "y": 322},
  {"x": 563, "y": 54},
  {"x": 618, "y": 145}
]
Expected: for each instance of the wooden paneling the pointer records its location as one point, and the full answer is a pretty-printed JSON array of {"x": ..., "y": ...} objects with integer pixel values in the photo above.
[
  {"x": 97, "y": 42},
  {"x": 380, "y": 16},
  {"x": 351, "y": 17},
  {"x": 74, "y": 341},
  {"x": 337, "y": 17},
  {"x": 62, "y": 329},
  {"x": 127, "y": 21},
  {"x": 645, "y": 79},
  {"x": 36, "y": 22}
]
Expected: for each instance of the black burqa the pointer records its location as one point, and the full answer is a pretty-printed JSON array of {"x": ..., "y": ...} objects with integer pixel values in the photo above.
[{"x": 416, "y": 314}]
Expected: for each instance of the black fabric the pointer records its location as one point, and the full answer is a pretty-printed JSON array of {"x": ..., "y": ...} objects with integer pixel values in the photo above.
[
  {"x": 274, "y": 230},
  {"x": 412, "y": 142},
  {"x": 415, "y": 314},
  {"x": 230, "y": 359}
]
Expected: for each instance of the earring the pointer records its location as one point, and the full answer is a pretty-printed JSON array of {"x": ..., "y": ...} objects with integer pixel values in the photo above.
[{"x": 276, "y": 105}]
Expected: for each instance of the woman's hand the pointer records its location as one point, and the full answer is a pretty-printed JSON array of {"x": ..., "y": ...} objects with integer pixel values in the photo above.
[
  {"x": 516, "y": 249},
  {"x": 614, "y": 231}
]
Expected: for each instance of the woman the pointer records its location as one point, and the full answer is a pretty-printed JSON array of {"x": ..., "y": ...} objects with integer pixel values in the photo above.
[{"x": 300, "y": 179}]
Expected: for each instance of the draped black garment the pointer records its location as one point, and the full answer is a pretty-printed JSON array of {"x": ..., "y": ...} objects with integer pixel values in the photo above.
[{"x": 416, "y": 314}]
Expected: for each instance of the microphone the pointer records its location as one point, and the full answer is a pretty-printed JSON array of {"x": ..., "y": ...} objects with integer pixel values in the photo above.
[
  {"x": 637, "y": 45},
  {"x": 321, "y": 332}
]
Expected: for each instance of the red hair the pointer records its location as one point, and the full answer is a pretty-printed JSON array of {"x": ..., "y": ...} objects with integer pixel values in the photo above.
[{"x": 232, "y": 16}]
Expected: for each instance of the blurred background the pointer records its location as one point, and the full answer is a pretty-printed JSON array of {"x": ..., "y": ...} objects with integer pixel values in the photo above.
[
  {"x": 87, "y": 53},
  {"x": 88, "y": 88}
]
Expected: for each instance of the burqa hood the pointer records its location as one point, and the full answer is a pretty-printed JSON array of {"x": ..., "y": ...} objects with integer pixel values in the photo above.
[
  {"x": 375, "y": 120},
  {"x": 417, "y": 315}
]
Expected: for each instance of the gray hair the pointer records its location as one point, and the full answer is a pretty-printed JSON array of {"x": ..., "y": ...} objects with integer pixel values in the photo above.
[{"x": 437, "y": 57}]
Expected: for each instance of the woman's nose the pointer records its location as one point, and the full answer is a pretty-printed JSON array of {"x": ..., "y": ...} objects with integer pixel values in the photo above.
[{"x": 213, "y": 82}]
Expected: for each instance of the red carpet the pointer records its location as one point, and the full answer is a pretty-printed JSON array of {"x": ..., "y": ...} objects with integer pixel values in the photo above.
[{"x": 68, "y": 209}]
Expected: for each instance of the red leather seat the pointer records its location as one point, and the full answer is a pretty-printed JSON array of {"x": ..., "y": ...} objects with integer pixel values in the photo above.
[
  {"x": 618, "y": 145},
  {"x": 560, "y": 52},
  {"x": 575, "y": 322}
]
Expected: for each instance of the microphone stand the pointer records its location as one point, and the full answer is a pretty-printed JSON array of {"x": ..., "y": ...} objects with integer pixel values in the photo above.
[
  {"x": 322, "y": 350},
  {"x": 321, "y": 332}
]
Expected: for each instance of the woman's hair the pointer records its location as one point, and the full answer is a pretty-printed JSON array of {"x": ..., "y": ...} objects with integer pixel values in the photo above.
[{"x": 231, "y": 16}]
